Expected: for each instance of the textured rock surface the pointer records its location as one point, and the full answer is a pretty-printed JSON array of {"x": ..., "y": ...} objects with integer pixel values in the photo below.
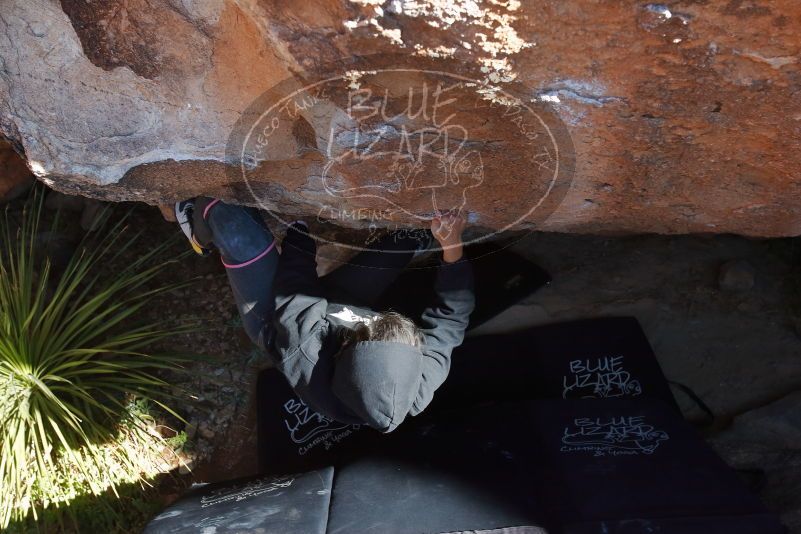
[
  {"x": 777, "y": 425},
  {"x": 684, "y": 117},
  {"x": 15, "y": 178}
]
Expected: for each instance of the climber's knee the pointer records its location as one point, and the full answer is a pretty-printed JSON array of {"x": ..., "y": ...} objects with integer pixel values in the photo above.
[{"x": 239, "y": 233}]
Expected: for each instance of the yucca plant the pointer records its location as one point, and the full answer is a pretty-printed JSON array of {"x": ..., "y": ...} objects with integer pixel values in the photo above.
[{"x": 73, "y": 356}]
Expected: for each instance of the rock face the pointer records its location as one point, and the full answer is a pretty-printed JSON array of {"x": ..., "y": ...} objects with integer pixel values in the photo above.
[
  {"x": 15, "y": 178},
  {"x": 573, "y": 116},
  {"x": 777, "y": 425}
]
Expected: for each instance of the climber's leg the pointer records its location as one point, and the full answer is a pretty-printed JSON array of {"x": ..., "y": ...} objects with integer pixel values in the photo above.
[{"x": 250, "y": 258}]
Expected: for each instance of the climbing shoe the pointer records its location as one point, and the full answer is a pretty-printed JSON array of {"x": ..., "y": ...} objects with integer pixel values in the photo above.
[{"x": 184, "y": 211}]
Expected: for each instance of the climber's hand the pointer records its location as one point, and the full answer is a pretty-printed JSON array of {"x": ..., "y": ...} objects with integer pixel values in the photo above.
[{"x": 447, "y": 229}]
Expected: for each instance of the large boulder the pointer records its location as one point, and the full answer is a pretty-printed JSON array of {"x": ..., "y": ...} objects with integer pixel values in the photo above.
[
  {"x": 575, "y": 115},
  {"x": 15, "y": 178},
  {"x": 776, "y": 425}
]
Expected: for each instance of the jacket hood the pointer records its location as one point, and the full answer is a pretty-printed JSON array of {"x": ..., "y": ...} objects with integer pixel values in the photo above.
[{"x": 378, "y": 381}]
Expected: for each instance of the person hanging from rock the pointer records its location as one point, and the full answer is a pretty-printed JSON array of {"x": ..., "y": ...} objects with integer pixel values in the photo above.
[{"x": 345, "y": 360}]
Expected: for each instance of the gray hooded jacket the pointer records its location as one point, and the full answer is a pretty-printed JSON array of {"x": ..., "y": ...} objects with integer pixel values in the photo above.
[{"x": 369, "y": 382}]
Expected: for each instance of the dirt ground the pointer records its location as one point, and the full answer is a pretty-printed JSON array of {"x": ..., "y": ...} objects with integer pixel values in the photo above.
[{"x": 737, "y": 345}]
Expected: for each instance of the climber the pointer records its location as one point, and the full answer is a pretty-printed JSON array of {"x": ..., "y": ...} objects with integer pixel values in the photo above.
[{"x": 346, "y": 361}]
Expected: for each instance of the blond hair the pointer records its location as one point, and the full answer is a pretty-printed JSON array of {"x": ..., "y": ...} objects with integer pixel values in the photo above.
[{"x": 388, "y": 326}]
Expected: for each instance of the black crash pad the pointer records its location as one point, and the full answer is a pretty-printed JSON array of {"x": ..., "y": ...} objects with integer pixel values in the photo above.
[
  {"x": 287, "y": 504},
  {"x": 634, "y": 465},
  {"x": 293, "y": 437},
  {"x": 605, "y": 358},
  {"x": 592, "y": 358}
]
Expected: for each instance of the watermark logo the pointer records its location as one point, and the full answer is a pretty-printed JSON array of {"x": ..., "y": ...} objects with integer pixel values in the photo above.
[{"x": 390, "y": 147}]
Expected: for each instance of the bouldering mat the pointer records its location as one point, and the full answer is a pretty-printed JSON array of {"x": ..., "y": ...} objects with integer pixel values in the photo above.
[
  {"x": 292, "y": 436},
  {"x": 286, "y": 504},
  {"x": 634, "y": 465},
  {"x": 606, "y": 357}
]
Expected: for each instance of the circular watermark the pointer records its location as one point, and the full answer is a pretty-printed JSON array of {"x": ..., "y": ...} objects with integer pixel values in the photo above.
[{"x": 387, "y": 146}]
